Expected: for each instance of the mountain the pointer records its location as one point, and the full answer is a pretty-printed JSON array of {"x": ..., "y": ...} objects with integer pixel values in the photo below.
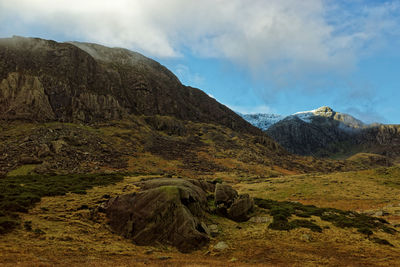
[
  {"x": 81, "y": 107},
  {"x": 44, "y": 80},
  {"x": 341, "y": 119},
  {"x": 324, "y": 132},
  {"x": 265, "y": 120}
]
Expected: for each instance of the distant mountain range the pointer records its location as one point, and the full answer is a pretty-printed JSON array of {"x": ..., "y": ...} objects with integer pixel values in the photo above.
[
  {"x": 266, "y": 120},
  {"x": 324, "y": 132}
]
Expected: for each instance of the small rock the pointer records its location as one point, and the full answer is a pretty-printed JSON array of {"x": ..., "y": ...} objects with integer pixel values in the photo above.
[
  {"x": 205, "y": 228},
  {"x": 29, "y": 160},
  {"x": 263, "y": 219},
  {"x": 378, "y": 213},
  {"x": 217, "y": 181},
  {"x": 163, "y": 258},
  {"x": 58, "y": 145},
  {"x": 369, "y": 213},
  {"x": 233, "y": 259},
  {"x": 306, "y": 237},
  {"x": 221, "y": 246},
  {"x": 148, "y": 252},
  {"x": 213, "y": 228},
  {"x": 43, "y": 151}
]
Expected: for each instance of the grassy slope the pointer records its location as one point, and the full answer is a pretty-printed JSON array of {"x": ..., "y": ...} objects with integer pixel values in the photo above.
[
  {"x": 72, "y": 235},
  {"x": 151, "y": 145},
  {"x": 20, "y": 193}
]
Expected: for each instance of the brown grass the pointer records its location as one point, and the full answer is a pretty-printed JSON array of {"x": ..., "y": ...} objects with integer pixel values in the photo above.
[{"x": 78, "y": 238}]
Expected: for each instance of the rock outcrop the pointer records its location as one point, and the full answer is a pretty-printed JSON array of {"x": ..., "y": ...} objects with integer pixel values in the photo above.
[
  {"x": 232, "y": 205},
  {"x": 320, "y": 137},
  {"x": 172, "y": 211}
]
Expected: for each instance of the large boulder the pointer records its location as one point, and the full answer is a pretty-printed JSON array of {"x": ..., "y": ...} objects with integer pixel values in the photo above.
[
  {"x": 240, "y": 208},
  {"x": 232, "y": 205},
  {"x": 168, "y": 211},
  {"x": 171, "y": 211},
  {"x": 224, "y": 194}
]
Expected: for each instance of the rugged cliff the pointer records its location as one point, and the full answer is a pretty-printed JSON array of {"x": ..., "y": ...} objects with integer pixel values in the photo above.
[
  {"x": 43, "y": 80},
  {"x": 325, "y": 132}
]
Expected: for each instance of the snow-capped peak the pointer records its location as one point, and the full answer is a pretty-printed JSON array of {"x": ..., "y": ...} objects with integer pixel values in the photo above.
[
  {"x": 262, "y": 120},
  {"x": 307, "y": 116}
]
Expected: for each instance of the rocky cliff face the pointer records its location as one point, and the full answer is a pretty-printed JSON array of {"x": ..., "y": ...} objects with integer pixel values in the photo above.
[
  {"x": 306, "y": 138},
  {"x": 43, "y": 80},
  {"x": 324, "y": 132},
  {"x": 382, "y": 139}
]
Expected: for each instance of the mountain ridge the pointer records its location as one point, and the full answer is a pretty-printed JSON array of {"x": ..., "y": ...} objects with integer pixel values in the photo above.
[
  {"x": 323, "y": 132},
  {"x": 82, "y": 82},
  {"x": 266, "y": 120}
]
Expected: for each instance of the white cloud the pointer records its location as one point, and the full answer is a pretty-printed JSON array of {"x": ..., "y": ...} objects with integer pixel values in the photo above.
[
  {"x": 283, "y": 40},
  {"x": 186, "y": 76}
]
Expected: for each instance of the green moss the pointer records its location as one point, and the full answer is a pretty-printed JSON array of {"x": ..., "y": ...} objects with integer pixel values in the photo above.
[
  {"x": 282, "y": 211},
  {"x": 381, "y": 241},
  {"x": 365, "y": 231},
  {"x": 22, "y": 170},
  {"x": 19, "y": 193},
  {"x": 170, "y": 190},
  {"x": 389, "y": 176},
  {"x": 306, "y": 224},
  {"x": 7, "y": 223}
]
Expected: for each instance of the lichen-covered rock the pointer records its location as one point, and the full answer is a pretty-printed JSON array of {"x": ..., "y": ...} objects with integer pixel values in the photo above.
[
  {"x": 225, "y": 194},
  {"x": 58, "y": 145},
  {"x": 232, "y": 205},
  {"x": 43, "y": 150},
  {"x": 169, "y": 211},
  {"x": 23, "y": 96},
  {"x": 240, "y": 208},
  {"x": 29, "y": 160}
]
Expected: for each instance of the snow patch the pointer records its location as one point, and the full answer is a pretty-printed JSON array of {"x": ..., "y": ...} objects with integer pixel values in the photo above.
[{"x": 262, "y": 120}]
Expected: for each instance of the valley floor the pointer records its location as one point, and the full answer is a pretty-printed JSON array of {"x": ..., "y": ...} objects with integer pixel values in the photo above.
[{"x": 66, "y": 232}]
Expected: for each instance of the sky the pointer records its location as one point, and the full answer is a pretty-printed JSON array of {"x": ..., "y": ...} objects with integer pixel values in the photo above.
[{"x": 268, "y": 56}]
